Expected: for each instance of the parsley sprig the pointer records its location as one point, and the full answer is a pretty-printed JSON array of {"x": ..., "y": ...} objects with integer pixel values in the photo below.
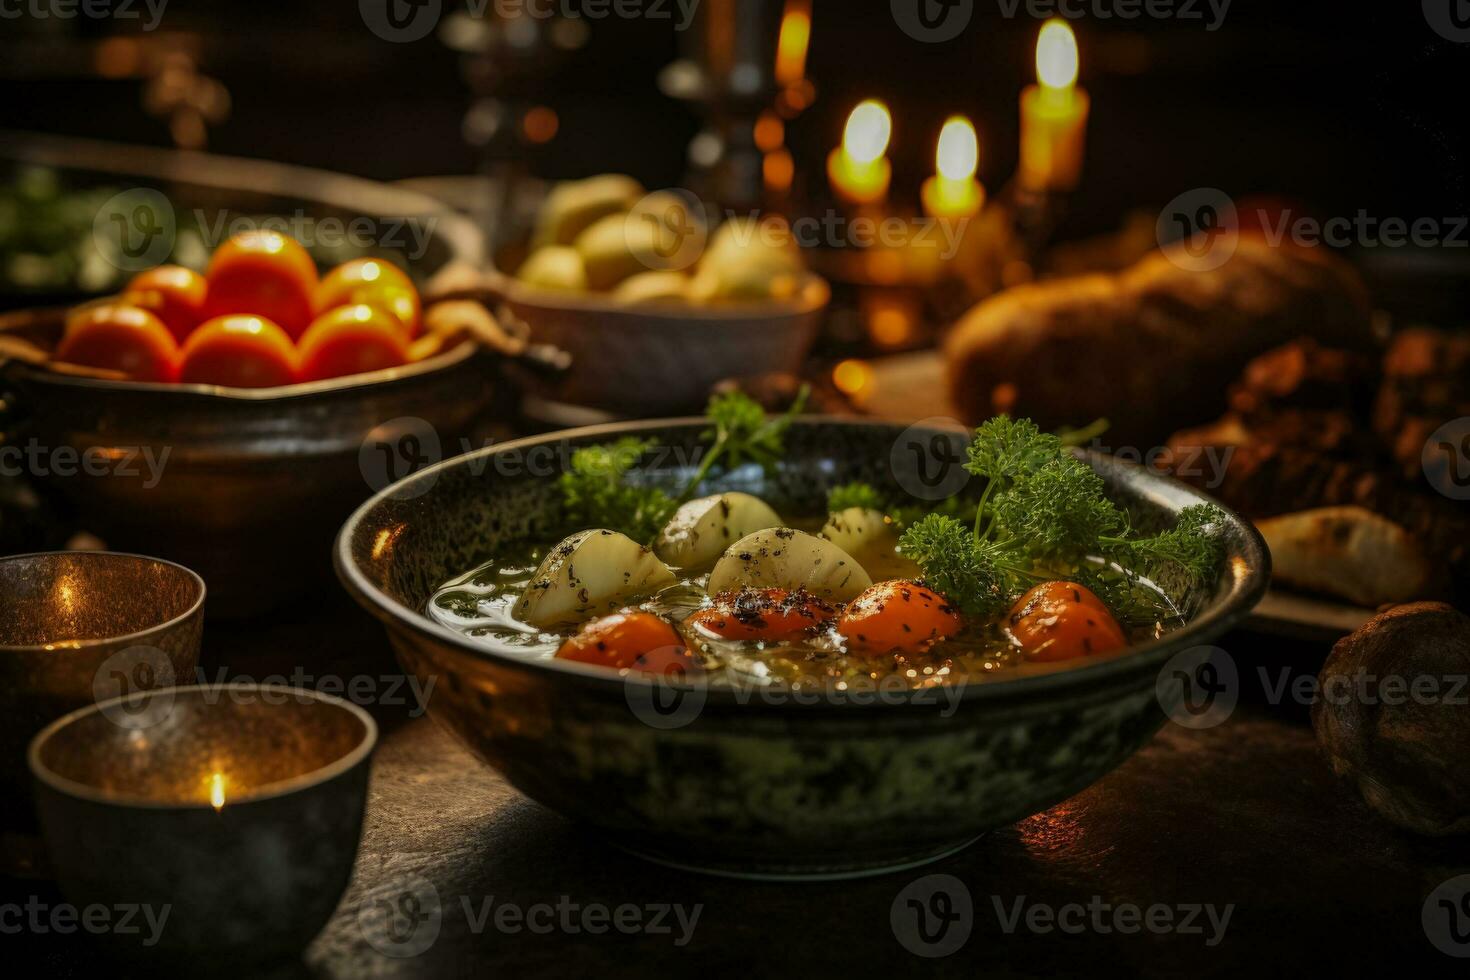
[
  {"x": 1044, "y": 513},
  {"x": 596, "y": 491}
]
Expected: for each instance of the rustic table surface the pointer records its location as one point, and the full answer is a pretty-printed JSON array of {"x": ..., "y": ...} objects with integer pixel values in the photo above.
[{"x": 1224, "y": 852}]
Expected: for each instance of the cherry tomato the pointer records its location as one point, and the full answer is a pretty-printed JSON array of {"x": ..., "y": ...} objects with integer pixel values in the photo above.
[
  {"x": 351, "y": 340},
  {"x": 1062, "y": 621},
  {"x": 629, "y": 641},
  {"x": 377, "y": 283},
  {"x": 761, "y": 614},
  {"x": 898, "y": 617},
  {"x": 121, "y": 338},
  {"x": 239, "y": 352},
  {"x": 172, "y": 293},
  {"x": 264, "y": 273}
]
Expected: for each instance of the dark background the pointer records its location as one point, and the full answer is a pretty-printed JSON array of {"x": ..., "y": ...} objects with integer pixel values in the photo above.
[{"x": 1337, "y": 106}]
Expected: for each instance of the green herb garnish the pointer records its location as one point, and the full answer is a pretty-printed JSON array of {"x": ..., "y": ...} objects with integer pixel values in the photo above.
[
  {"x": 1043, "y": 514},
  {"x": 594, "y": 491}
]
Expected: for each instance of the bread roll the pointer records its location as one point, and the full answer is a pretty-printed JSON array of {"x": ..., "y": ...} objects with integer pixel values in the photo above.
[{"x": 1152, "y": 348}]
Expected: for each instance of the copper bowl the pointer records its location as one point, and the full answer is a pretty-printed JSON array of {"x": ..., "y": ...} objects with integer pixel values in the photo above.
[
  {"x": 82, "y": 626},
  {"x": 237, "y": 816}
]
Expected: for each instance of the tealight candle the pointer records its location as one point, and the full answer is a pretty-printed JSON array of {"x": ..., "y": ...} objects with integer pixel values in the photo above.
[
  {"x": 953, "y": 191},
  {"x": 1053, "y": 113},
  {"x": 858, "y": 171}
]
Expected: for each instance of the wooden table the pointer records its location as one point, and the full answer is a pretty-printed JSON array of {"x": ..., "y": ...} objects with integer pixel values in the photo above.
[{"x": 1244, "y": 817}]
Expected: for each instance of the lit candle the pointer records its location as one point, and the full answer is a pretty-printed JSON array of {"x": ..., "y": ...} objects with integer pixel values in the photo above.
[
  {"x": 858, "y": 170},
  {"x": 217, "y": 790},
  {"x": 953, "y": 191},
  {"x": 792, "y": 42},
  {"x": 1053, "y": 113}
]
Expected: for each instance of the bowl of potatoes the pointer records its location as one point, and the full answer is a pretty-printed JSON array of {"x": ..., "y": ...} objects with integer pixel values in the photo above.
[{"x": 654, "y": 300}]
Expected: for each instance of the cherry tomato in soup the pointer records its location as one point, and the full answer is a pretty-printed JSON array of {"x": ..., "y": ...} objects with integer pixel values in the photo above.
[
  {"x": 172, "y": 293},
  {"x": 121, "y": 338},
  {"x": 264, "y": 273},
  {"x": 898, "y": 617},
  {"x": 376, "y": 283},
  {"x": 761, "y": 614},
  {"x": 1063, "y": 621},
  {"x": 351, "y": 340},
  {"x": 239, "y": 352},
  {"x": 629, "y": 641}
]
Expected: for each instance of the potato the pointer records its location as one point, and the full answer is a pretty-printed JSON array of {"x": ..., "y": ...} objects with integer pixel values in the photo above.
[
  {"x": 617, "y": 247},
  {"x": 783, "y": 558},
  {"x": 572, "y": 207},
  {"x": 555, "y": 267},
  {"x": 742, "y": 282},
  {"x": 870, "y": 538},
  {"x": 653, "y": 287},
  {"x": 591, "y": 572},
  {"x": 702, "y": 529},
  {"x": 750, "y": 242},
  {"x": 1391, "y": 719}
]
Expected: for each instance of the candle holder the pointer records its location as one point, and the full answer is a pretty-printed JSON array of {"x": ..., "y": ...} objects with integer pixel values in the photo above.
[
  {"x": 74, "y": 624},
  {"x": 237, "y": 808}
]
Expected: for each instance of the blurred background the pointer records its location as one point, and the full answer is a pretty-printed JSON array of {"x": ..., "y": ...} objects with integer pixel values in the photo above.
[{"x": 1337, "y": 107}]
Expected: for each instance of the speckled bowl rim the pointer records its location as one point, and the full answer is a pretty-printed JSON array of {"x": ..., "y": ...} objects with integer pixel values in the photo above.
[
  {"x": 268, "y": 791},
  {"x": 138, "y": 635},
  {"x": 1226, "y": 611}
]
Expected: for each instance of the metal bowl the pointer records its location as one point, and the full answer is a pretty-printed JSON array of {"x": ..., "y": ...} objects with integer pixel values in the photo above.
[
  {"x": 244, "y": 485},
  {"x": 253, "y": 481},
  {"x": 80, "y": 626},
  {"x": 739, "y": 783},
  {"x": 127, "y": 799}
]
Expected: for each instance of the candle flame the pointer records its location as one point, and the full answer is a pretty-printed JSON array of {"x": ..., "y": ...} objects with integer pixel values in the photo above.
[
  {"x": 796, "y": 33},
  {"x": 958, "y": 155},
  {"x": 217, "y": 790},
  {"x": 868, "y": 129},
  {"x": 1056, "y": 55}
]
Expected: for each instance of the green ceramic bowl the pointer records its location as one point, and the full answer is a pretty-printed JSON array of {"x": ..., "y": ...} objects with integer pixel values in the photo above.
[{"x": 760, "y": 783}]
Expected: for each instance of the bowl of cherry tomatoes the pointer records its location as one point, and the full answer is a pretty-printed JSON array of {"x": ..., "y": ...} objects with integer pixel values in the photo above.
[{"x": 229, "y": 418}]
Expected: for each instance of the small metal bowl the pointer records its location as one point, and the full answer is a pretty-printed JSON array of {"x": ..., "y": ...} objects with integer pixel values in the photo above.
[
  {"x": 77, "y": 627},
  {"x": 237, "y": 809}
]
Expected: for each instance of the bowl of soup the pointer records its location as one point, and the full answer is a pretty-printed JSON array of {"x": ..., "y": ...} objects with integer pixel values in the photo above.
[{"x": 754, "y": 684}]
